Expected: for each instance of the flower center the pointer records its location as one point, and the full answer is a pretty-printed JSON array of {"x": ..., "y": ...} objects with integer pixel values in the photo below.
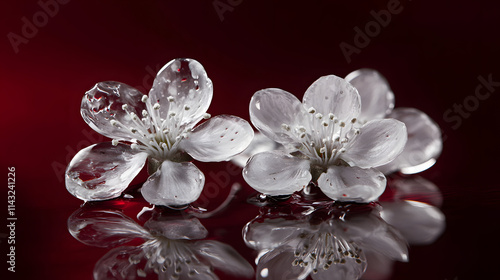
[
  {"x": 321, "y": 250},
  {"x": 322, "y": 138},
  {"x": 163, "y": 255},
  {"x": 157, "y": 136}
]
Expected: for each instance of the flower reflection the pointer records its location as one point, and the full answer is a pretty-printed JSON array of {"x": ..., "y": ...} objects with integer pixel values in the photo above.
[
  {"x": 327, "y": 242},
  {"x": 414, "y": 210},
  {"x": 169, "y": 247}
]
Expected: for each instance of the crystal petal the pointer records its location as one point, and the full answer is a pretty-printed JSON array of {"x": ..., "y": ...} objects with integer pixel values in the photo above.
[
  {"x": 275, "y": 113},
  {"x": 345, "y": 183},
  {"x": 104, "y": 227},
  {"x": 332, "y": 94},
  {"x": 276, "y": 173},
  {"x": 218, "y": 139},
  {"x": 103, "y": 171},
  {"x": 418, "y": 222},
  {"x": 174, "y": 184},
  {"x": 224, "y": 257},
  {"x": 379, "y": 142},
  {"x": 424, "y": 143},
  {"x": 103, "y": 104},
  {"x": 377, "y": 98},
  {"x": 183, "y": 87}
]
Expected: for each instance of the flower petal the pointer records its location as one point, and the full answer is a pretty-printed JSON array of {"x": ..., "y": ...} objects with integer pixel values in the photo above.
[
  {"x": 379, "y": 142},
  {"x": 377, "y": 99},
  {"x": 380, "y": 268},
  {"x": 218, "y": 139},
  {"x": 104, "y": 103},
  {"x": 186, "y": 81},
  {"x": 416, "y": 188},
  {"x": 418, "y": 222},
  {"x": 116, "y": 265},
  {"x": 174, "y": 184},
  {"x": 104, "y": 227},
  {"x": 332, "y": 94},
  {"x": 371, "y": 232},
  {"x": 103, "y": 171},
  {"x": 273, "y": 233},
  {"x": 260, "y": 143},
  {"x": 177, "y": 228},
  {"x": 224, "y": 257},
  {"x": 271, "y": 109},
  {"x": 276, "y": 173},
  {"x": 345, "y": 183},
  {"x": 277, "y": 264},
  {"x": 423, "y": 146}
]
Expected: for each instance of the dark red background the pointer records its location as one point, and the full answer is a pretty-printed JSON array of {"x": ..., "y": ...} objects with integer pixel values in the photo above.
[{"x": 431, "y": 53}]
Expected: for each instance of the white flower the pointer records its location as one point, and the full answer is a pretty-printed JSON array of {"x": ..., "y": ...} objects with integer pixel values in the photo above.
[
  {"x": 172, "y": 248},
  {"x": 330, "y": 147},
  {"x": 158, "y": 127},
  {"x": 329, "y": 245},
  {"x": 424, "y": 136}
]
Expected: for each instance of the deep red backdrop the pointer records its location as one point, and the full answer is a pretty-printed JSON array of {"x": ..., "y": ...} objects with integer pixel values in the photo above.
[{"x": 431, "y": 53}]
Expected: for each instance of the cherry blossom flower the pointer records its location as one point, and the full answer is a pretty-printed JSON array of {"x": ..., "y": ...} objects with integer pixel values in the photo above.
[
  {"x": 159, "y": 128},
  {"x": 325, "y": 244},
  {"x": 330, "y": 147},
  {"x": 171, "y": 247},
  {"x": 424, "y": 136}
]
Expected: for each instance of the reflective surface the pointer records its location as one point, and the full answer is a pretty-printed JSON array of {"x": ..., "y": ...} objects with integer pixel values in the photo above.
[{"x": 295, "y": 237}]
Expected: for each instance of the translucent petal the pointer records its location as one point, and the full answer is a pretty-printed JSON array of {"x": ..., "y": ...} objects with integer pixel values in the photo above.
[
  {"x": 116, "y": 265},
  {"x": 418, "y": 222},
  {"x": 260, "y": 143},
  {"x": 424, "y": 143},
  {"x": 272, "y": 233},
  {"x": 174, "y": 184},
  {"x": 379, "y": 142},
  {"x": 380, "y": 267},
  {"x": 218, "y": 139},
  {"x": 186, "y": 81},
  {"x": 277, "y": 264},
  {"x": 377, "y": 99},
  {"x": 350, "y": 270},
  {"x": 371, "y": 232},
  {"x": 332, "y": 94},
  {"x": 177, "y": 228},
  {"x": 345, "y": 183},
  {"x": 104, "y": 227},
  {"x": 276, "y": 173},
  {"x": 103, "y": 104},
  {"x": 102, "y": 171},
  {"x": 271, "y": 109},
  {"x": 417, "y": 188},
  {"x": 224, "y": 257}
]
